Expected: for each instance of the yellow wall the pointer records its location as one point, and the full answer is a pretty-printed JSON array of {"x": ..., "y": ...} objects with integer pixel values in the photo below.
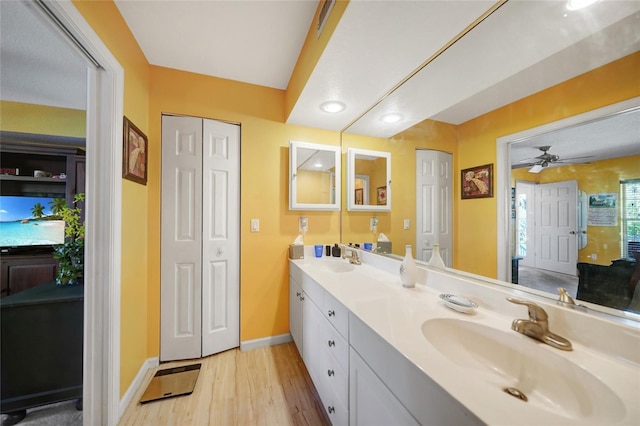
[
  {"x": 475, "y": 249},
  {"x": 314, "y": 187},
  {"x": 42, "y": 120},
  {"x": 106, "y": 21},
  {"x": 264, "y": 191}
]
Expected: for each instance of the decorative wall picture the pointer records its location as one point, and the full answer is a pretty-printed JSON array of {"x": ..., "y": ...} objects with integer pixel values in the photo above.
[
  {"x": 603, "y": 209},
  {"x": 134, "y": 153},
  {"x": 382, "y": 195},
  {"x": 477, "y": 182},
  {"x": 359, "y": 196}
]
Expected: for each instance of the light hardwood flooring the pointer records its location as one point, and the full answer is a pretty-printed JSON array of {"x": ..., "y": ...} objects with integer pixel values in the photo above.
[{"x": 265, "y": 386}]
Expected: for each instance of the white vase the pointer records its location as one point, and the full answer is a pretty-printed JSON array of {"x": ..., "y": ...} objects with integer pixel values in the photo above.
[
  {"x": 408, "y": 269},
  {"x": 436, "y": 260}
]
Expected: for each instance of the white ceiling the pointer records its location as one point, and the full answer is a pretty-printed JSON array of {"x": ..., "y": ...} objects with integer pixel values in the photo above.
[{"x": 376, "y": 45}]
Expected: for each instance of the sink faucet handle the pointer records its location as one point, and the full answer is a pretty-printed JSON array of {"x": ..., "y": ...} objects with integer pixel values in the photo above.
[{"x": 536, "y": 313}]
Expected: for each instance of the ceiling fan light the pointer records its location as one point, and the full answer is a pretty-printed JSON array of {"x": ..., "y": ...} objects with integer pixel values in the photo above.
[{"x": 536, "y": 169}]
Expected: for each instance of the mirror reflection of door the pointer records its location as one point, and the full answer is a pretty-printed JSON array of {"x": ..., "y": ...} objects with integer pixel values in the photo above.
[
  {"x": 525, "y": 247},
  {"x": 361, "y": 185}
]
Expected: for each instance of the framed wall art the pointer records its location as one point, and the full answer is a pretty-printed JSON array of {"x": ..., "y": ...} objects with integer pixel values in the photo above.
[
  {"x": 477, "y": 182},
  {"x": 134, "y": 153},
  {"x": 382, "y": 195}
]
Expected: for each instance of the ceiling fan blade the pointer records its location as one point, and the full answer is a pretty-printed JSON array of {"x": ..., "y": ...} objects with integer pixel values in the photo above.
[
  {"x": 576, "y": 158},
  {"x": 520, "y": 166}
]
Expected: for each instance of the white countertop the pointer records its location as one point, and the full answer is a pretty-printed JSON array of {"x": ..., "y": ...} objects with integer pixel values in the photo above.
[{"x": 375, "y": 295}]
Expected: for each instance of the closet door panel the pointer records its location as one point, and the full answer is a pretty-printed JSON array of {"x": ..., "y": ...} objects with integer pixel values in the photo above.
[
  {"x": 181, "y": 240},
  {"x": 221, "y": 233}
]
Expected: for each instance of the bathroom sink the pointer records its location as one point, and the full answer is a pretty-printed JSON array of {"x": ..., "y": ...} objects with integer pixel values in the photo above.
[
  {"x": 334, "y": 265},
  {"x": 519, "y": 367}
]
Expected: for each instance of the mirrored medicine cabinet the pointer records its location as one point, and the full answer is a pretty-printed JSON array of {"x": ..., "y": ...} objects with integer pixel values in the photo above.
[
  {"x": 368, "y": 180},
  {"x": 314, "y": 176}
]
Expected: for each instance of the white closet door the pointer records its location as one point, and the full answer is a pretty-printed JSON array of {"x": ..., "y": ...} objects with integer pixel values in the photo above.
[
  {"x": 220, "y": 237},
  {"x": 434, "y": 214},
  {"x": 181, "y": 240}
]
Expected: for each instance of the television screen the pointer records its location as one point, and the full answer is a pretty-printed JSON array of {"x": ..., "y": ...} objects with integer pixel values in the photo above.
[{"x": 28, "y": 221}]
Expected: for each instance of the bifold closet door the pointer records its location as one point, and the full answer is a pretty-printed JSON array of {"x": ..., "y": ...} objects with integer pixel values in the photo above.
[{"x": 200, "y": 238}]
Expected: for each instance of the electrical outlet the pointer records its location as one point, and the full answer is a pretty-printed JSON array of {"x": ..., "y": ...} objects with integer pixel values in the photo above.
[
  {"x": 303, "y": 224},
  {"x": 407, "y": 224},
  {"x": 373, "y": 224},
  {"x": 255, "y": 225},
  {"x": 594, "y": 256}
]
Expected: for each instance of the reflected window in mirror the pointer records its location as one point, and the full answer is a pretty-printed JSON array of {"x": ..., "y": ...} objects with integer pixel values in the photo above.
[
  {"x": 314, "y": 176},
  {"x": 368, "y": 180}
]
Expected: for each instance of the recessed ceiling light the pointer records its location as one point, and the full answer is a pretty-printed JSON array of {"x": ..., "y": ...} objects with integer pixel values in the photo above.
[
  {"x": 392, "y": 117},
  {"x": 332, "y": 106},
  {"x": 317, "y": 165},
  {"x": 579, "y": 4}
]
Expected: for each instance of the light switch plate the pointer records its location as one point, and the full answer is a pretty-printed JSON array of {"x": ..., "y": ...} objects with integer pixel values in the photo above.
[{"x": 255, "y": 225}]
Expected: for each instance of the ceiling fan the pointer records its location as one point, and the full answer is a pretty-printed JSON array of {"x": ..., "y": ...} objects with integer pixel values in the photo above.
[{"x": 543, "y": 160}]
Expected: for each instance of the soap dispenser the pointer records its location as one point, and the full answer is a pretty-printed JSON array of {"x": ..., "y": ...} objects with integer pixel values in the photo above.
[
  {"x": 335, "y": 251},
  {"x": 408, "y": 270}
]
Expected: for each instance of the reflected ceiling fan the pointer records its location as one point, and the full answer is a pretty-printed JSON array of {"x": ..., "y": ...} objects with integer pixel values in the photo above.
[{"x": 544, "y": 160}]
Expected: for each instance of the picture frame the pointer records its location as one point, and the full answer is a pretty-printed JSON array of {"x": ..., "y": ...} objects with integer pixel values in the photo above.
[
  {"x": 382, "y": 195},
  {"x": 477, "y": 182},
  {"x": 359, "y": 196},
  {"x": 134, "y": 153}
]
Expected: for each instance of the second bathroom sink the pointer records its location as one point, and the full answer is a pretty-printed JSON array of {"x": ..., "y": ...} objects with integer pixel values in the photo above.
[{"x": 523, "y": 368}]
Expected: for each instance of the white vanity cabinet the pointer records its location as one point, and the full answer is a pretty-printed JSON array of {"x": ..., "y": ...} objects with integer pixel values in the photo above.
[{"x": 319, "y": 327}]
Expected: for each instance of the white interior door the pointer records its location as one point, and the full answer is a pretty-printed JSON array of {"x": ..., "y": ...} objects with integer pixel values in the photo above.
[
  {"x": 434, "y": 213},
  {"x": 556, "y": 226},
  {"x": 200, "y": 238},
  {"x": 220, "y": 233}
]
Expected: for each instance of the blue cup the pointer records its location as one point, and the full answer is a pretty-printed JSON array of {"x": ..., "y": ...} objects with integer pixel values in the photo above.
[
  {"x": 368, "y": 246},
  {"x": 318, "y": 248}
]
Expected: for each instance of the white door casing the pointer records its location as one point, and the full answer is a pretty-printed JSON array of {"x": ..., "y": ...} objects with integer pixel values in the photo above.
[
  {"x": 200, "y": 237},
  {"x": 220, "y": 237},
  {"x": 556, "y": 226},
  {"x": 434, "y": 212},
  {"x": 526, "y": 190}
]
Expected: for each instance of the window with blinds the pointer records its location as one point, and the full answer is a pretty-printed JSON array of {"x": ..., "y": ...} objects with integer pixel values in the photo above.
[{"x": 630, "y": 190}]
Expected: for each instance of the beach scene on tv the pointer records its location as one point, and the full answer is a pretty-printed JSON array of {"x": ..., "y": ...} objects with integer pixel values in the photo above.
[{"x": 30, "y": 221}]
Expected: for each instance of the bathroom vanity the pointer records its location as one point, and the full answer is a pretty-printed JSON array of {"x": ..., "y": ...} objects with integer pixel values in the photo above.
[{"x": 380, "y": 353}]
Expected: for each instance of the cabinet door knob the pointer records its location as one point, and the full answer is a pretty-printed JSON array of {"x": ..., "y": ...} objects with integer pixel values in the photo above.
[
  {"x": 301, "y": 298},
  {"x": 331, "y": 343},
  {"x": 298, "y": 294},
  {"x": 332, "y": 313},
  {"x": 331, "y": 409},
  {"x": 330, "y": 373}
]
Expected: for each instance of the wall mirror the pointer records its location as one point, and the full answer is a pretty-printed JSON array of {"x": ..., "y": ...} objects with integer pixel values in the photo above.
[
  {"x": 368, "y": 180},
  {"x": 314, "y": 176},
  {"x": 501, "y": 79}
]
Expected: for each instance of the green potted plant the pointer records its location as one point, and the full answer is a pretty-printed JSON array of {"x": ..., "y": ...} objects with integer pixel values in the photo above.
[{"x": 70, "y": 254}]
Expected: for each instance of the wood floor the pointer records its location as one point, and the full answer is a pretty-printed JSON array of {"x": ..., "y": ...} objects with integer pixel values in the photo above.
[{"x": 265, "y": 386}]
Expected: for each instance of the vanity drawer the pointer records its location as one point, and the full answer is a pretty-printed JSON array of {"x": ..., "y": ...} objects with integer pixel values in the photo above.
[
  {"x": 336, "y": 345},
  {"x": 337, "y": 314},
  {"x": 332, "y": 373},
  {"x": 333, "y": 390},
  {"x": 313, "y": 290}
]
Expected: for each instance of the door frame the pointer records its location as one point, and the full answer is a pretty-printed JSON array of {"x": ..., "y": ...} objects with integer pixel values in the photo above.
[
  {"x": 103, "y": 208},
  {"x": 503, "y": 175}
]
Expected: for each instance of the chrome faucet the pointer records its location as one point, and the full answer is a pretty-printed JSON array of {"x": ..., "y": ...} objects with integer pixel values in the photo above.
[
  {"x": 537, "y": 326},
  {"x": 354, "y": 258}
]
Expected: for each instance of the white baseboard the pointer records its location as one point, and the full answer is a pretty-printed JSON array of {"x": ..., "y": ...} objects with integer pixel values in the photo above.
[
  {"x": 247, "y": 345},
  {"x": 137, "y": 382}
]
